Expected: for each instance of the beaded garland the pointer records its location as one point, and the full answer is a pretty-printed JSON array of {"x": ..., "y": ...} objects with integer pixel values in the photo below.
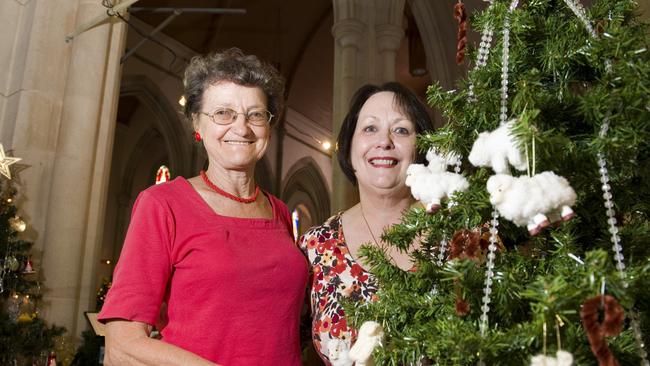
[
  {"x": 579, "y": 11},
  {"x": 494, "y": 223}
]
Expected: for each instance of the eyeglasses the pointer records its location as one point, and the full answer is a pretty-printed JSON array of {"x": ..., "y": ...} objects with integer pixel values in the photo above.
[{"x": 226, "y": 116}]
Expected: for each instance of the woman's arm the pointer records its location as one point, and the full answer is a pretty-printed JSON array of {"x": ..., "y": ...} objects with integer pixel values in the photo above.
[{"x": 128, "y": 344}]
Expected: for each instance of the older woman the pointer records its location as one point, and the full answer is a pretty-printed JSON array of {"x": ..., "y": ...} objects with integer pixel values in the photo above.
[
  {"x": 376, "y": 144},
  {"x": 212, "y": 255}
]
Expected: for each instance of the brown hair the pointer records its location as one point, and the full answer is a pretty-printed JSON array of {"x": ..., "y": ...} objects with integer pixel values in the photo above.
[{"x": 403, "y": 97}]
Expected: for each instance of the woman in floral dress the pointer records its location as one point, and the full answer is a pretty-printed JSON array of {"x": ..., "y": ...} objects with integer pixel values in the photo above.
[{"x": 376, "y": 145}]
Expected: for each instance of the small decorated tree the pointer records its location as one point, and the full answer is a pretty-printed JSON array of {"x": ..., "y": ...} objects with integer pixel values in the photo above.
[{"x": 24, "y": 336}]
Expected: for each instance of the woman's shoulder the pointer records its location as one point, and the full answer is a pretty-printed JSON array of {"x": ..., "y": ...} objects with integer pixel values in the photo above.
[
  {"x": 327, "y": 231},
  {"x": 172, "y": 188},
  {"x": 166, "y": 198},
  {"x": 281, "y": 210},
  {"x": 331, "y": 225},
  {"x": 278, "y": 203}
]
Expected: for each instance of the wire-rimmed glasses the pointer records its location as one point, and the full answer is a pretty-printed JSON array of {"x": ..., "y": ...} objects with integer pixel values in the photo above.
[{"x": 226, "y": 116}]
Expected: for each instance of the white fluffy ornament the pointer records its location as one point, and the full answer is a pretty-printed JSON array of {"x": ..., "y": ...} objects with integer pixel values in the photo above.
[
  {"x": 370, "y": 336},
  {"x": 563, "y": 358},
  {"x": 439, "y": 162},
  {"x": 431, "y": 183},
  {"x": 534, "y": 202},
  {"x": 337, "y": 352},
  {"x": 497, "y": 149}
]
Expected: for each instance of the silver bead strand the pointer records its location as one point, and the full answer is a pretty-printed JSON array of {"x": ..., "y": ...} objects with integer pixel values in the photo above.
[
  {"x": 617, "y": 248},
  {"x": 505, "y": 60},
  {"x": 579, "y": 11},
  {"x": 611, "y": 219},
  {"x": 638, "y": 338},
  {"x": 482, "y": 56},
  {"x": 442, "y": 249},
  {"x": 489, "y": 273},
  {"x": 494, "y": 223}
]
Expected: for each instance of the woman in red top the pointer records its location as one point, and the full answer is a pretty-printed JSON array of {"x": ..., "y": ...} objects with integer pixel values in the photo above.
[
  {"x": 376, "y": 145},
  {"x": 210, "y": 255}
]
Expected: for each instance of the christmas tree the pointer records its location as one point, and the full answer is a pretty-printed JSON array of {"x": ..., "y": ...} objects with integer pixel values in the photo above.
[
  {"x": 24, "y": 337},
  {"x": 556, "y": 256}
]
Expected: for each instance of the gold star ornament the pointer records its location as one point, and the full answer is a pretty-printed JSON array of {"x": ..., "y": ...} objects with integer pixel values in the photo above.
[{"x": 5, "y": 161}]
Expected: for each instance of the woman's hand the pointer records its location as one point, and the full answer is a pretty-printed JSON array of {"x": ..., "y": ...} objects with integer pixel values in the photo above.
[{"x": 128, "y": 343}]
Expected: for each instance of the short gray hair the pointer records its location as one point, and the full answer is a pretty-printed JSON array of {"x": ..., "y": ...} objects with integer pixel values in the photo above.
[{"x": 234, "y": 66}]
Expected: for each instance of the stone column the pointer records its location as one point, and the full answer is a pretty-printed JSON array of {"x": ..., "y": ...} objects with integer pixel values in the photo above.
[
  {"x": 389, "y": 38},
  {"x": 33, "y": 68},
  {"x": 347, "y": 34},
  {"x": 367, "y": 35},
  {"x": 389, "y": 32},
  {"x": 92, "y": 243},
  {"x": 81, "y": 163}
]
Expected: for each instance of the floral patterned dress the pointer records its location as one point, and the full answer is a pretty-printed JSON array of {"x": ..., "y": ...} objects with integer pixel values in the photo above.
[{"x": 335, "y": 275}]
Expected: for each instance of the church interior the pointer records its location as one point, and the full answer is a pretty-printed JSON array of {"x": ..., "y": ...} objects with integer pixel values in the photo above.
[{"x": 90, "y": 100}]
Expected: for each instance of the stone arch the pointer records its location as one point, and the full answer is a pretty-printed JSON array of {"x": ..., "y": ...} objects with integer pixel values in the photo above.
[
  {"x": 128, "y": 190},
  {"x": 305, "y": 188},
  {"x": 167, "y": 121},
  {"x": 435, "y": 29},
  {"x": 164, "y": 133}
]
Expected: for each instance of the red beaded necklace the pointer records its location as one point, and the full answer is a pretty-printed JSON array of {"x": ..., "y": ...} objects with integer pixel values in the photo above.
[{"x": 228, "y": 195}]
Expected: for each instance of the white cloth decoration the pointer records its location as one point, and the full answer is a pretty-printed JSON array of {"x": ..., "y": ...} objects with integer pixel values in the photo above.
[
  {"x": 431, "y": 183},
  {"x": 337, "y": 352},
  {"x": 439, "y": 162},
  {"x": 370, "y": 337},
  {"x": 535, "y": 201},
  {"x": 496, "y": 149},
  {"x": 563, "y": 358}
]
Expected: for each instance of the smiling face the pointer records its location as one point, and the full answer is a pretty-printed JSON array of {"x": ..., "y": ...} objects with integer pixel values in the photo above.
[
  {"x": 383, "y": 144},
  {"x": 239, "y": 145}
]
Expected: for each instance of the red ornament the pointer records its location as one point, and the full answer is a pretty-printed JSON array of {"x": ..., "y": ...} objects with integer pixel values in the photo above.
[
  {"x": 51, "y": 359},
  {"x": 197, "y": 136},
  {"x": 29, "y": 266},
  {"x": 462, "y": 307},
  {"x": 461, "y": 17},
  {"x": 596, "y": 331},
  {"x": 214, "y": 187},
  {"x": 465, "y": 244},
  {"x": 162, "y": 175}
]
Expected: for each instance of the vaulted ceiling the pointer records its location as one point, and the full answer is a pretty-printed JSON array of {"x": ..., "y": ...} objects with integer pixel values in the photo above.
[
  {"x": 275, "y": 30},
  {"x": 294, "y": 35}
]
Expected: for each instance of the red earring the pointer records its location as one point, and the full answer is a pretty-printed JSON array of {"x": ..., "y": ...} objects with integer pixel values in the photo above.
[{"x": 197, "y": 136}]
